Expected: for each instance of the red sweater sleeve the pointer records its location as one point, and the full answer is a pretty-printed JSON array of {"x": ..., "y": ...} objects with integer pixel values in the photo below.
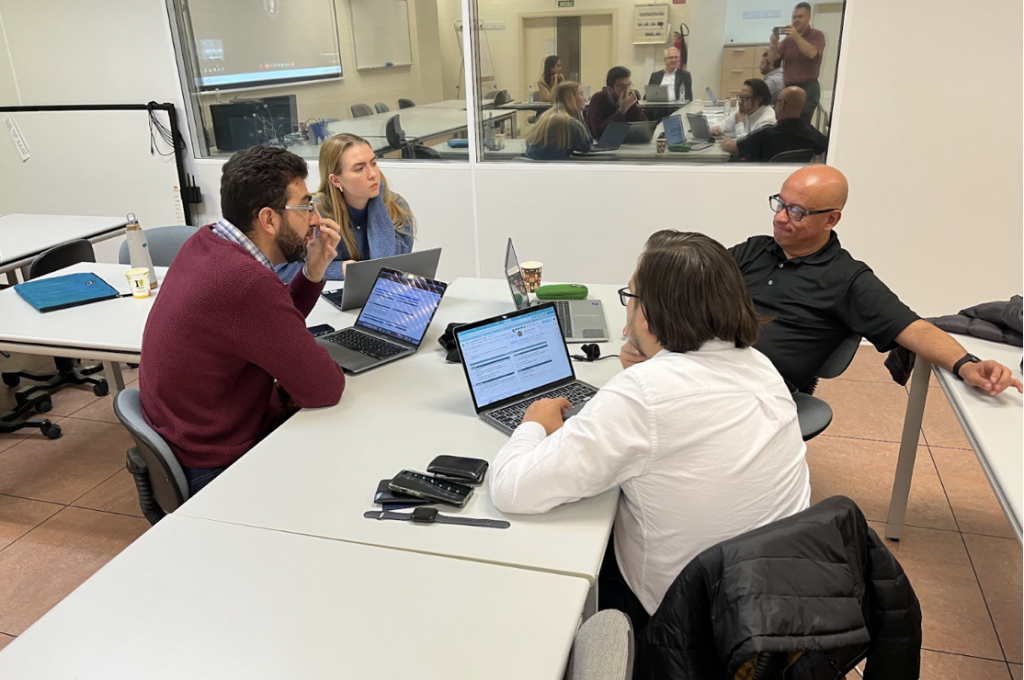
[{"x": 272, "y": 334}]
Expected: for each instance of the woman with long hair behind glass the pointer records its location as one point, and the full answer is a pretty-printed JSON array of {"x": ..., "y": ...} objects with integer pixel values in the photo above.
[
  {"x": 551, "y": 77},
  {"x": 560, "y": 131}
]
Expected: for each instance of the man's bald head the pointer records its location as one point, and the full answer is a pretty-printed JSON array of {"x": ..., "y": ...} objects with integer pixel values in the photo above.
[
  {"x": 827, "y": 185},
  {"x": 819, "y": 192},
  {"x": 790, "y": 102}
]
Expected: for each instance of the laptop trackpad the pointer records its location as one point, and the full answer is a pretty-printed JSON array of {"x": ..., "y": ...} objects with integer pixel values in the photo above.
[
  {"x": 573, "y": 411},
  {"x": 347, "y": 358}
]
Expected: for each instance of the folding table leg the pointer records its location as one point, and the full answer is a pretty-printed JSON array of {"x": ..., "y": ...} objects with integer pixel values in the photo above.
[{"x": 908, "y": 449}]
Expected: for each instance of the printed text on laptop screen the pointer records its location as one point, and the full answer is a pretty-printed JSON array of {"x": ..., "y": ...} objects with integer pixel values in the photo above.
[{"x": 400, "y": 307}]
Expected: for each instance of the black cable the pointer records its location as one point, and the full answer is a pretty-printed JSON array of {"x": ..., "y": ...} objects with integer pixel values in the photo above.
[{"x": 169, "y": 136}]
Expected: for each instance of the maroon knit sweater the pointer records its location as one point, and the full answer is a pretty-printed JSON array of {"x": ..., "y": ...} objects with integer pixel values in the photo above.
[{"x": 223, "y": 327}]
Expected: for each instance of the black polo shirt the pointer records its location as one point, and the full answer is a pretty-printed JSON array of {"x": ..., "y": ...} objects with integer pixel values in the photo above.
[
  {"x": 816, "y": 302},
  {"x": 789, "y": 134}
]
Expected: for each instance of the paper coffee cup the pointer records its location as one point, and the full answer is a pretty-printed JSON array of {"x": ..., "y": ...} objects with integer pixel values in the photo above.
[
  {"x": 531, "y": 274},
  {"x": 138, "y": 280}
]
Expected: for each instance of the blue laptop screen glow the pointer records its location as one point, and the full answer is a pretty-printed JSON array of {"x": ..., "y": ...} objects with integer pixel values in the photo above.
[
  {"x": 401, "y": 305},
  {"x": 513, "y": 356},
  {"x": 674, "y": 130}
]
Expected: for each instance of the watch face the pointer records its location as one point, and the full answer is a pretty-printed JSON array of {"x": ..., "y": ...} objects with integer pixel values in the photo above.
[{"x": 424, "y": 515}]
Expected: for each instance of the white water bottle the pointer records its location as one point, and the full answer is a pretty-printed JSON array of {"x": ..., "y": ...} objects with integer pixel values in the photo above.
[
  {"x": 529, "y": 94},
  {"x": 138, "y": 249}
]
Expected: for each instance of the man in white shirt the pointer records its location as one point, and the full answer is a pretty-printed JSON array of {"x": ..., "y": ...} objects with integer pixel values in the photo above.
[
  {"x": 678, "y": 80},
  {"x": 773, "y": 77},
  {"x": 702, "y": 438}
]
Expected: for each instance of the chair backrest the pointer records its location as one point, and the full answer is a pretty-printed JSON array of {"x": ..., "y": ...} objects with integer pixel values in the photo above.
[
  {"x": 406, "y": 103},
  {"x": 381, "y": 107},
  {"x": 603, "y": 648},
  {"x": 170, "y": 486},
  {"x": 840, "y": 359},
  {"x": 360, "y": 110},
  {"x": 796, "y": 156},
  {"x": 420, "y": 151},
  {"x": 58, "y": 257},
  {"x": 393, "y": 132},
  {"x": 502, "y": 97},
  {"x": 164, "y": 244}
]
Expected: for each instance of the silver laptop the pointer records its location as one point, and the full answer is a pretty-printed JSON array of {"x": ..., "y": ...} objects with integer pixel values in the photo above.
[
  {"x": 656, "y": 93},
  {"x": 361, "y": 276},
  {"x": 674, "y": 134},
  {"x": 711, "y": 97},
  {"x": 392, "y": 324},
  {"x": 581, "y": 320},
  {"x": 514, "y": 359},
  {"x": 699, "y": 129}
]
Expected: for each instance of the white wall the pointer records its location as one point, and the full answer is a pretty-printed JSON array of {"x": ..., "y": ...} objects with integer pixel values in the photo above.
[
  {"x": 750, "y": 30},
  {"x": 938, "y": 220}
]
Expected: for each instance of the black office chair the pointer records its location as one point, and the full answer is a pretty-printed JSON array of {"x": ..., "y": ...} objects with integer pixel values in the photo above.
[
  {"x": 409, "y": 146},
  {"x": 795, "y": 156},
  {"x": 406, "y": 103},
  {"x": 38, "y": 402},
  {"x": 68, "y": 372},
  {"x": 159, "y": 477},
  {"x": 163, "y": 244},
  {"x": 813, "y": 413},
  {"x": 360, "y": 110},
  {"x": 502, "y": 97},
  {"x": 381, "y": 107}
]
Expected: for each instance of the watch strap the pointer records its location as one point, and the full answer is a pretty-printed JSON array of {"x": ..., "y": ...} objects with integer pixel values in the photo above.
[
  {"x": 960, "y": 364},
  {"x": 439, "y": 519}
]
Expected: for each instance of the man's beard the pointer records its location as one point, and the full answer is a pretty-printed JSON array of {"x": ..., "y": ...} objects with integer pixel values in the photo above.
[{"x": 291, "y": 245}]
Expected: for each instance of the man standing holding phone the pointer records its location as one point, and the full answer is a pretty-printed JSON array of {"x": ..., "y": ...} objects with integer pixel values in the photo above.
[
  {"x": 617, "y": 101},
  {"x": 801, "y": 52}
]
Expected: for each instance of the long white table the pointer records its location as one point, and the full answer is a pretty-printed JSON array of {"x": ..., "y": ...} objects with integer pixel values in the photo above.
[
  {"x": 318, "y": 472},
  {"x": 419, "y": 122},
  {"x": 23, "y": 237},
  {"x": 198, "y": 599},
  {"x": 993, "y": 426}
]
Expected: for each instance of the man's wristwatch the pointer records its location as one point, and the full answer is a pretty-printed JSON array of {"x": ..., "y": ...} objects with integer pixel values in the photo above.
[
  {"x": 430, "y": 516},
  {"x": 968, "y": 358}
]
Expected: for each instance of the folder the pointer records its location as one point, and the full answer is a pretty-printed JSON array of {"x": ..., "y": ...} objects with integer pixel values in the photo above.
[{"x": 61, "y": 292}]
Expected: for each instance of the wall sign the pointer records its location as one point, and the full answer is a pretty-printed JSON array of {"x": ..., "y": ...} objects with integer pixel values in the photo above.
[{"x": 650, "y": 24}]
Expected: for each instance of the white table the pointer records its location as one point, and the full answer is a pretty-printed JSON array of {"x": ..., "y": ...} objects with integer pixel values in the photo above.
[
  {"x": 993, "y": 426},
  {"x": 23, "y": 237},
  {"x": 317, "y": 473},
  {"x": 197, "y": 599},
  {"x": 419, "y": 121},
  {"x": 110, "y": 331}
]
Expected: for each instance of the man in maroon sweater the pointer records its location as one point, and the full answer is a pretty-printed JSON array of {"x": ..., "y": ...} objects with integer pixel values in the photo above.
[
  {"x": 226, "y": 355},
  {"x": 617, "y": 101}
]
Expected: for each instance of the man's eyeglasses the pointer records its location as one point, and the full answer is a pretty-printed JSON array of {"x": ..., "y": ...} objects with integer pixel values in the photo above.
[
  {"x": 744, "y": 97},
  {"x": 624, "y": 296},
  {"x": 307, "y": 207},
  {"x": 795, "y": 214}
]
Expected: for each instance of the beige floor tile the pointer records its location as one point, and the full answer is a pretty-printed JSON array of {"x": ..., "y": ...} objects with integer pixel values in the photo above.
[
  {"x": 865, "y": 410},
  {"x": 1017, "y": 671},
  {"x": 39, "y": 570},
  {"x": 998, "y": 564},
  {"x": 975, "y": 506},
  {"x": 19, "y": 516},
  {"x": 62, "y": 470},
  {"x": 5, "y": 640},
  {"x": 941, "y": 428},
  {"x": 863, "y": 470},
  {"x": 102, "y": 409},
  {"x": 117, "y": 494},
  {"x": 9, "y": 440},
  {"x": 955, "y": 618},
  {"x": 868, "y": 365},
  {"x": 937, "y": 666}
]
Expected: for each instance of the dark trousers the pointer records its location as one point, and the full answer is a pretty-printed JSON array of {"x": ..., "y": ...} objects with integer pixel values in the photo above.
[
  {"x": 614, "y": 593},
  {"x": 813, "y": 90},
  {"x": 200, "y": 477}
]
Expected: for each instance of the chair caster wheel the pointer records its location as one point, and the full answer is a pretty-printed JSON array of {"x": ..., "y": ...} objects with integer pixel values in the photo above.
[
  {"x": 52, "y": 432},
  {"x": 45, "y": 407},
  {"x": 101, "y": 389}
]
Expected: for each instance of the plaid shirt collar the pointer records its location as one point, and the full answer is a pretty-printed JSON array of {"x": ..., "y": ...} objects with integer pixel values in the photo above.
[{"x": 230, "y": 232}]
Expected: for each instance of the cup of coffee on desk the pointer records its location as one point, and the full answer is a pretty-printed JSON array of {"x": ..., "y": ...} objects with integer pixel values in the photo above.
[
  {"x": 531, "y": 274},
  {"x": 138, "y": 281}
]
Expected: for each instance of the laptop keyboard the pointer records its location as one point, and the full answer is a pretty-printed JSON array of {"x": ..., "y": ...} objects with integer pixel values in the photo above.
[
  {"x": 564, "y": 317},
  {"x": 512, "y": 415},
  {"x": 364, "y": 343}
]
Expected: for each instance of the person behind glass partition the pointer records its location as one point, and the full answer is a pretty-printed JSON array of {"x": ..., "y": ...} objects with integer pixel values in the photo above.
[
  {"x": 772, "y": 72},
  {"x": 753, "y": 113},
  {"x": 375, "y": 222},
  {"x": 551, "y": 78},
  {"x": 677, "y": 78},
  {"x": 560, "y": 130},
  {"x": 790, "y": 133},
  {"x": 617, "y": 101},
  {"x": 801, "y": 51}
]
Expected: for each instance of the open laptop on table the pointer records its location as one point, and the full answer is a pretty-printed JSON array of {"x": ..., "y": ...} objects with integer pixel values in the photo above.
[
  {"x": 392, "y": 324},
  {"x": 612, "y": 137},
  {"x": 581, "y": 320},
  {"x": 656, "y": 93},
  {"x": 674, "y": 134},
  {"x": 514, "y": 359},
  {"x": 360, "y": 276},
  {"x": 640, "y": 132},
  {"x": 700, "y": 131}
]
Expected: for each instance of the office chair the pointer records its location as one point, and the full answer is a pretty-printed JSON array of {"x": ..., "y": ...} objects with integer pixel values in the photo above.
[
  {"x": 164, "y": 244},
  {"x": 813, "y": 413},
  {"x": 381, "y": 107},
  {"x": 409, "y": 147},
  {"x": 795, "y": 156},
  {"x": 360, "y": 110},
  {"x": 38, "y": 402},
  {"x": 502, "y": 97},
  {"x": 67, "y": 373},
  {"x": 159, "y": 477},
  {"x": 603, "y": 648},
  {"x": 406, "y": 103}
]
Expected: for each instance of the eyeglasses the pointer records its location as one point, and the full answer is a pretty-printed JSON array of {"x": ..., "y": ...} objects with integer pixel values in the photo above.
[
  {"x": 795, "y": 214},
  {"x": 624, "y": 296},
  {"x": 307, "y": 207},
  {"x": 744, "y": 97}
]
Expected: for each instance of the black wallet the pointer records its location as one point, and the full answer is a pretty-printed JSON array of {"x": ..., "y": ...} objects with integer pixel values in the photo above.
[
  {"x": 387, "y": 497},
  {"x": 465, "y": 470}
]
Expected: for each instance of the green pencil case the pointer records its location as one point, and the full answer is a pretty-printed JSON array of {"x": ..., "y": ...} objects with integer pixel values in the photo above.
[
  {"x": 562, "y": 291},
  {"x": 679, "y": 148}
]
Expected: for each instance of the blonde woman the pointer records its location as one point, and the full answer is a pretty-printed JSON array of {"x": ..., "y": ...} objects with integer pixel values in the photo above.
[
  {"x": 560, "y": 131},
  {"x": 374, "y": 221}
]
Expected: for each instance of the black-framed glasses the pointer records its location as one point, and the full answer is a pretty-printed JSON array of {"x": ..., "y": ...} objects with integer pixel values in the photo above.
[
  {"x": 796, "y": 214},
  {"x": 306, "y": 207},
  {"x": 624, "y": 296}
]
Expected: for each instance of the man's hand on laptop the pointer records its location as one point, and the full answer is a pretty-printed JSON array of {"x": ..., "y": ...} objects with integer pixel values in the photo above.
[
  {"x": 990, "y": 376},
  {"x": 322, "y": 250},
  {"x": 547, "y": 412}
]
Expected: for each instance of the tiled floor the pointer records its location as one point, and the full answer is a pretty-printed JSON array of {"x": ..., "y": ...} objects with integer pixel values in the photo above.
[{"x": 68, "y": 506}]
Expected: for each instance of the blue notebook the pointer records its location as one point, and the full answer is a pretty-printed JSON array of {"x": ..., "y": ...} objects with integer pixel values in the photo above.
[{"x": 61, "y": 292}]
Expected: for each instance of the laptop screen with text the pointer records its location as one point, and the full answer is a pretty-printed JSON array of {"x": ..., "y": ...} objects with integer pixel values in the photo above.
[
  {"x": 401, "y": 305},
  {"x": 515, "y": 355}
]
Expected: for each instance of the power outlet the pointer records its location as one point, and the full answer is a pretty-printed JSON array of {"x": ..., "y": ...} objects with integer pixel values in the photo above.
[{"x": 492, "y": 25}]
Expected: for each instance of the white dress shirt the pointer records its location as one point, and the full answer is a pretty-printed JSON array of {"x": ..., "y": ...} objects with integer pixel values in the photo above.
[
  {"x": 763, "y": 117},
  {"x": 670, "y": 80},
  {"x": 704, "y": 445}
]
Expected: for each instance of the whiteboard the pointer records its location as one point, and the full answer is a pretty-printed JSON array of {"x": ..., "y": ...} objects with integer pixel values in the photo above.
[
  {"x": 380, "y": 33},
  {"x": 486, "y": 67},
  {"x": 89, "y": 163}
]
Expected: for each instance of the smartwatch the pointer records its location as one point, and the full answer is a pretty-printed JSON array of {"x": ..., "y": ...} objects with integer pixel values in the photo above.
[
  {"x": 960, "y": 364},
  {"x": 431, "y": 516}
]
